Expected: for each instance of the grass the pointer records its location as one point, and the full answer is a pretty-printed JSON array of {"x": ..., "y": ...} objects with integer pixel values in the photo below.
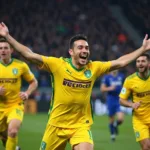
[{"x": 32, "y": 130}]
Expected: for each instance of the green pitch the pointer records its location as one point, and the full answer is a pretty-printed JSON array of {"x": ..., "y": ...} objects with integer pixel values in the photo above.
[{"x": 33, "y": 128}]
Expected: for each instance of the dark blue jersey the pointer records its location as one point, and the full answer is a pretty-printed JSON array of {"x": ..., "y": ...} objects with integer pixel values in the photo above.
[{"x": 117, "y": 81}]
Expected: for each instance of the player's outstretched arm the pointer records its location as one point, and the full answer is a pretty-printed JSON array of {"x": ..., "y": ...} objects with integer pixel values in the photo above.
[
  {"x": 128, "y": 58},
  {"x": 23, "y": 50},
  {"x": 127, "y": 103}
]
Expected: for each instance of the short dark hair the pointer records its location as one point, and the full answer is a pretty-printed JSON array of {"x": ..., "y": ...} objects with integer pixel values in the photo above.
[
  {"x": 146, "y": 55},
  {"x": 2, "y": 39},
  {"x": 76, "y": 38}
]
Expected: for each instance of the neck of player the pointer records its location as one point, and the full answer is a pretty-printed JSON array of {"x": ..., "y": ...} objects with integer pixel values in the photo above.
[
  {"x": 144, "y": 74},
  {"x": 6, "y": 61}
]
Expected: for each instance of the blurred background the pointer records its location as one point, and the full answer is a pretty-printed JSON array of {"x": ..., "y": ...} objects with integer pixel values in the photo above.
[{"x": 113, "y": 28}]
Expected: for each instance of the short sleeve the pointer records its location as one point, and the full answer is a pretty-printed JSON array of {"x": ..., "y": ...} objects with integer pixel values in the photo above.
[
  {"x": 50, "y": 64},
  {"x": 27, "y": 74},
  {"x": 101, "y": 67},
  {"x": 125, "y": 91}
]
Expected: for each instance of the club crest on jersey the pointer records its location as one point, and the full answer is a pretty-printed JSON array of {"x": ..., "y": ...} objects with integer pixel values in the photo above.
[
  {"x": 15, "y": 71},
  {"x": 43, "y": 145},
  {"x": 88, "y": 73},
  {"x": 137, "y": 134}
]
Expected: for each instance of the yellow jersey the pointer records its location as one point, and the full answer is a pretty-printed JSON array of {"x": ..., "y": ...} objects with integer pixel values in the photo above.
[
  {"x": 139, "y": 90},
  {"x": 70, "y": 104},
  {"x": 11, "y": 78}
]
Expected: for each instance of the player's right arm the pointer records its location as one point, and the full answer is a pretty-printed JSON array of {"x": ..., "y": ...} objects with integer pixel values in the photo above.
[
  {"x": 125, "y": 102},
  {"x": 125, "y": 94},
  {"x": 23, "y": 50}
]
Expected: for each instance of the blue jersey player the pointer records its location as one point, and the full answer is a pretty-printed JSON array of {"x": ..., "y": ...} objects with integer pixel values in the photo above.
[{"x": 112, "y": 84}]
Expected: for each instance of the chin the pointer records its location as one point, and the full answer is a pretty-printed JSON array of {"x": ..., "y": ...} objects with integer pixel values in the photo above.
[
  {"x": 141, "y": 70},
  {"x": 83, "y": 62}
]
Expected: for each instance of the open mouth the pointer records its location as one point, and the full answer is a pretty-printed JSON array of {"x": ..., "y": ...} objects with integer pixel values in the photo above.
[
  {"x": 83, "y": 56},
  {"x": 141, "y": 67}
]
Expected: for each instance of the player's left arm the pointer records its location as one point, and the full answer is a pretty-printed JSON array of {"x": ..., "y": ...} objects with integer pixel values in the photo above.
[
  {"x": 124, "y": 95},
  {"x": 30, "y": 78},
  {"x": 128, "y": 58},
  {"x": 31, "y": 88},
  {"x": 126, "y": 103}
]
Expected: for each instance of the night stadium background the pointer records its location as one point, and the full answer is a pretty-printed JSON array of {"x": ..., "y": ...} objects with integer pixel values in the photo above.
[{"x": 113, "y": 28}]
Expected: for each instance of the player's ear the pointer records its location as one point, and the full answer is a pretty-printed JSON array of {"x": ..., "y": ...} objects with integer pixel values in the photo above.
[{"x": 70, "y": 52}]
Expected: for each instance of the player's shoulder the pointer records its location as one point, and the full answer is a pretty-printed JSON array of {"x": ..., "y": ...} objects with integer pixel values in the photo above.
[
  {"x": 18, "y": 61},
  {"x": 65, "y": 59},
  {"x": 132, "y": 76},
  {"x": 96, "y": 63}
]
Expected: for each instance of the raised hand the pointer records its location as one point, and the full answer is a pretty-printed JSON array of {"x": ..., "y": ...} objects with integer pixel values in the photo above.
[
  {"x": 146, "y": 43},
  {"x": 3, "y": 30}
]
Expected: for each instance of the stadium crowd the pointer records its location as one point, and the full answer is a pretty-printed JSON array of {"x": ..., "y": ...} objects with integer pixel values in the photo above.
[
  {"x": 46, "y": 26},
  {"x": 138, "y": 14}
]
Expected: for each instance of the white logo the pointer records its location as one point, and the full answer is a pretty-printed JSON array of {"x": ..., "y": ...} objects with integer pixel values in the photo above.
[{"x": 123, "y": 91}]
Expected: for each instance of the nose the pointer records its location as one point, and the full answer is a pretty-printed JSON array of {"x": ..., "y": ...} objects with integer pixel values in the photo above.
[
  {"x": 85, "y": 49},
  {"x": 2, "y": 50}
]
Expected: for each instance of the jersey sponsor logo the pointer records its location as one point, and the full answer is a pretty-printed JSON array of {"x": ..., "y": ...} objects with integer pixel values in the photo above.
[
  {"x": 143, "y": 94},
  {"x": 88, "y": 73},
  {"x": 123, "y": 91},
  {"x": 15, "y": 71},
  {"x": 76, "y": 84},
  {"x": 8, "y": 80},
  {"x": 116, "y": 83}
]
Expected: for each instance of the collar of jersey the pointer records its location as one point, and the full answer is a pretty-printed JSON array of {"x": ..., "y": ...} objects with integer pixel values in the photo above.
[
  {"x": 8, "y": 63},
  {"x": 70, "y": 61},
  {"x": 144, "y": 78}
]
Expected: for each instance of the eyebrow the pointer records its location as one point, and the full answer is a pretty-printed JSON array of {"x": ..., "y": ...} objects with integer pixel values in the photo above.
[
  {"x": 4, "y": 46},
  {"x": 82, "y": 46}
]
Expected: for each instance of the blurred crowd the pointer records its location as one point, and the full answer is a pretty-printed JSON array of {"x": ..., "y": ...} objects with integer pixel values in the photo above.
[
  {"x": 138, "y": 14},
  {"x": 46, "y": 27}
]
